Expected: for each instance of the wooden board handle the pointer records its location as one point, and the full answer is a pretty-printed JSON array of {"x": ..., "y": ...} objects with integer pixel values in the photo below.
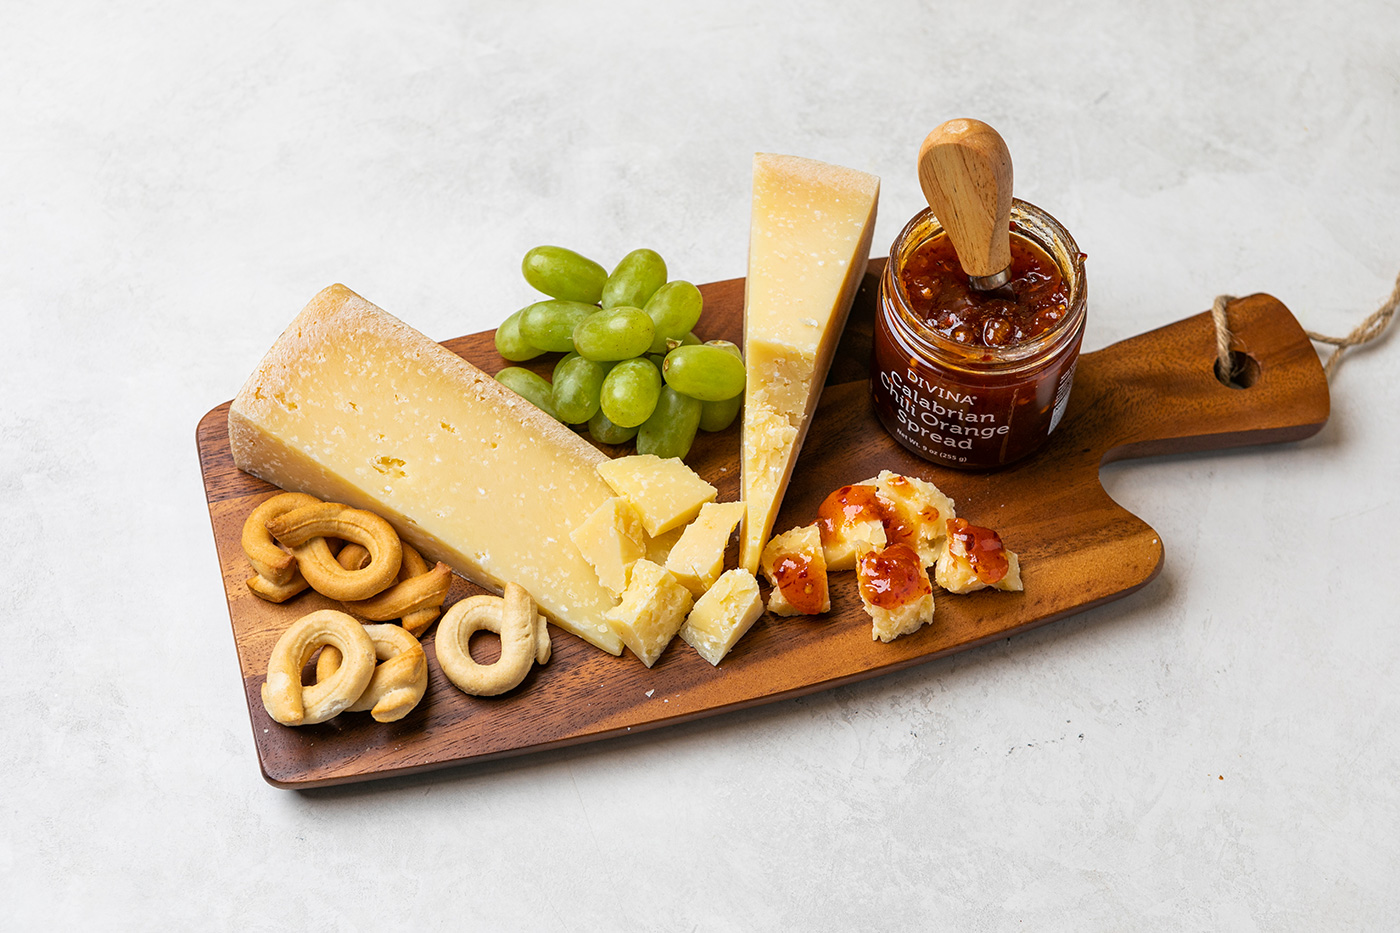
[{"x": 1158, "y": 393}]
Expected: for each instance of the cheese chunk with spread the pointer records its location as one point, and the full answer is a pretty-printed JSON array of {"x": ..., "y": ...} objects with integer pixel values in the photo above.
[
  {"x": 809, "y": 243},
  {"x": 895, "y": 590},
  {"x": 921, "y": 508},
  {"x": 352, "y": 405},
  {"x": 663, "y": 490},
  {"x": 697, "y": 559},
  {"x": 723, "y": 615},
  {"x": 972, "y": 558},
  {"x": 611, "y": 540},
  {"x": 796, "y": 566},
  {"x": 653, "y": 609}
]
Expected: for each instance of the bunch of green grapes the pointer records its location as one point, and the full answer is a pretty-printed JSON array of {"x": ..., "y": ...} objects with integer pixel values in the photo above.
[{"x": 633, "y": 367}]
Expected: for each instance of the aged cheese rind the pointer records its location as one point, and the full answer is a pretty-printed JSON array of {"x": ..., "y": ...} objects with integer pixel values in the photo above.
[
  {"x": 809, "y": 243},
  {"x": 355, "y": 406}
]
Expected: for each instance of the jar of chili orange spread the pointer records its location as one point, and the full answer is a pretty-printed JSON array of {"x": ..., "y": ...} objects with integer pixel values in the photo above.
[{"x": 971, "y": 379}]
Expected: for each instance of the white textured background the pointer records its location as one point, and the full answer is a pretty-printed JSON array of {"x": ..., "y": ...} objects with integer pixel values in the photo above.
[{"x": 1216, "y": 752}]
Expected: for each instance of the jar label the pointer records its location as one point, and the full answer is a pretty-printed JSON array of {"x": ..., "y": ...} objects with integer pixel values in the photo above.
[
  {"x": 1062, "y": 395},
  {"x": 939, "y": 420}
]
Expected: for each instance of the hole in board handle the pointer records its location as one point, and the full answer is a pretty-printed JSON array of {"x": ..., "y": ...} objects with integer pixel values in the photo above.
[{"x": 1244, "y": 371}]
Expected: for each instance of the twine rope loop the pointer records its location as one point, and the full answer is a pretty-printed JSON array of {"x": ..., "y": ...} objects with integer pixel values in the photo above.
[{"x": 1368, "y": 330}]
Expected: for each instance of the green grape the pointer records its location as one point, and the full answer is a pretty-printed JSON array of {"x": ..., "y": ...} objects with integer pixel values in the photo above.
[
  {"x": 550, "y": 325},
  {"x": 559, "y": 364},
  {"x": 674, "y": 309},
  {"x": 605, "y": 432},
  {"x": 615, "y": 334},
  {"x": 630, "y": 392},
  {"x": 690, "y": 340},
  {"x": 577, "y": 383},
  {"x": 716, "y": 416},
  {"x": 711, "y": 374},
  {"x": 635, "y": 279},
  {"x": 563, "y": 273},
  {"x": 670, "y": 430},
  {"x": 532, "y": 387},
  {"x": 725, "y": 345},
  {"x": 510, "y": 344}
]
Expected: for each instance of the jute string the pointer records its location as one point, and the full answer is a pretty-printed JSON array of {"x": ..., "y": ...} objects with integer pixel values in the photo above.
[{"x": 1365, "y": 332}]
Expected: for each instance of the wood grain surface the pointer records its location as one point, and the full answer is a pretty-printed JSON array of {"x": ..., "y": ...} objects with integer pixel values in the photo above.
[{"x": 1151, "y": 394}]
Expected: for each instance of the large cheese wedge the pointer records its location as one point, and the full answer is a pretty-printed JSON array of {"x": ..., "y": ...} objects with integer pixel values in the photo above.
[
  {"x": 809, "y": 243},
  {"x": 355, "y": 406}
]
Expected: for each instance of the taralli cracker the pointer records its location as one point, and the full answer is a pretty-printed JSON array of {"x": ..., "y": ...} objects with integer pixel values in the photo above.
[
  {"x": 276, "y": 578},
  {"x": 418, "y": 588},
  {"x": 284, "y": 697},
  {"x": 524, "y": 640},
  {"x": 400, "y": 678},
  {"x": 304, "y": 530}
]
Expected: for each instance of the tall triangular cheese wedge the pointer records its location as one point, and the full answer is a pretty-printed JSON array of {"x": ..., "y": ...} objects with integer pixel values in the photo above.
[{"x": 809, "y": 243}]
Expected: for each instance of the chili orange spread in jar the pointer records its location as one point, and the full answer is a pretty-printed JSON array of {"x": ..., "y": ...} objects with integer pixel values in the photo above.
[{"x": 973, "y": 379}]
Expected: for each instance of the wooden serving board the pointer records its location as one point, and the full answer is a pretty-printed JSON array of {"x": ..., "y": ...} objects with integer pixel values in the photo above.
[{"x": 1152, "y": 394}]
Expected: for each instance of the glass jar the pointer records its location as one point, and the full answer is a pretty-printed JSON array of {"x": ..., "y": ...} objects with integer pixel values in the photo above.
[{"x": 974, "y": 407}]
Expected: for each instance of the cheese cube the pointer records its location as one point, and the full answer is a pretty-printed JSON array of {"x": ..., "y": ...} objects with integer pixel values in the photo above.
[
  {"x": 697, "y": 559},
  {"x": 809, "y": 243},
  {"x": 653, "y": 609},
  {"x": 663, "y": 490},
  {"x": 723, "y": 615},
  {"x": 352, "y": 405},
  {"x": 796, "y": 566},
  {"x": 611, "y": 540},
  {"x": 895, "y": 590}
]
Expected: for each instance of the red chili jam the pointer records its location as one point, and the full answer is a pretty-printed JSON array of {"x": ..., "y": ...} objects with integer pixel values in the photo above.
[
  {"x": 893, "y": 577},
  {"x": 983, "y": 381},
  {"x": 804, "y": 588},
  {"x": 1031, "y": 303},
  {"x": 983, "y": 548},
  {"x": 852, "y": 505}
]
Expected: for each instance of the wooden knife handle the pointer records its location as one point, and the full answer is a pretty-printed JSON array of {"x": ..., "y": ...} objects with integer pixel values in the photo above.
[{"x": 965, "y": 172}]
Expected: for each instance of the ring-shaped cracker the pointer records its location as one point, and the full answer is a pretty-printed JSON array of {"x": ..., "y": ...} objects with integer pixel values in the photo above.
[
  {"x": 273, "y": 563},
  {"x": 304, "y": 531},
  {"x": 428, "y": 593},
  {"x": 400, "y": 678},
  {"x": 524, "y": 640},
  {"x": 417, "y": 588},
  {"x": 291, "y": 704}
]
